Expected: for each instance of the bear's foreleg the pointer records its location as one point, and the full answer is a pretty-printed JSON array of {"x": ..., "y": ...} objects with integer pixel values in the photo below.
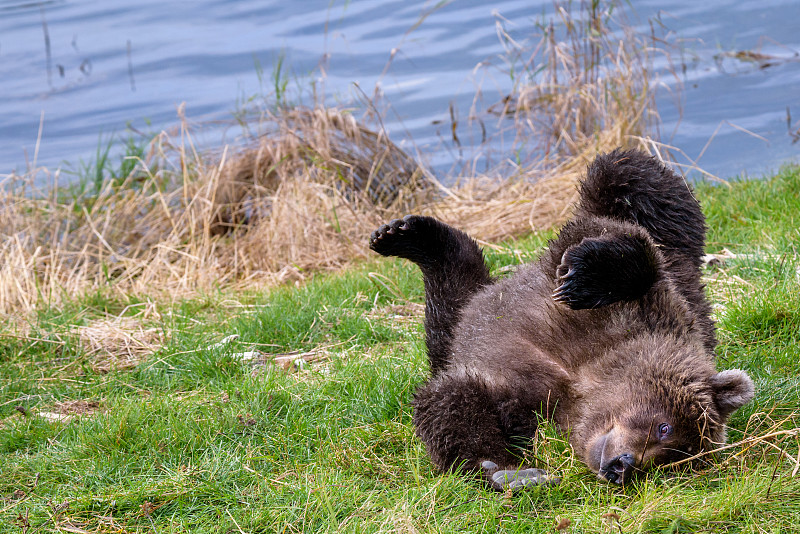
[
  {"x": 452, "y": 267},
  {"x": 598, "y": 271}
]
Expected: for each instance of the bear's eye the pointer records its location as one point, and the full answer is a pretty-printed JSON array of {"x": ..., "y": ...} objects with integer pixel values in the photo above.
[{"x": 664, "y": 430}]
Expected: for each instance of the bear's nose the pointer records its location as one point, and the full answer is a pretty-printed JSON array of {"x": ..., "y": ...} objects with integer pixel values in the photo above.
[{"x": 618, "y": 470}]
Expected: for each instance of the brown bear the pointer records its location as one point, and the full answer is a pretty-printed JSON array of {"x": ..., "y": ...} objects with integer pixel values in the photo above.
[{"x": 608, "y": 334}]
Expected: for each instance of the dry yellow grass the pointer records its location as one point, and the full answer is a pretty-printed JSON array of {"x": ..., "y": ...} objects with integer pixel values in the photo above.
[
  {"x": 306, "y": 196},
  {"x": 118, "y": 343}
]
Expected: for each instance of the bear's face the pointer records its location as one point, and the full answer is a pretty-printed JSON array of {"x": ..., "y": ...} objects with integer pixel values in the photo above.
[
  {"x": 666, "y": 414},
  {"x": 643, "y": 436}
]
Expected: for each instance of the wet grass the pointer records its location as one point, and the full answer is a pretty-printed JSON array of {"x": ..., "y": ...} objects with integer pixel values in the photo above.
[{"x": 194, "y": 438}]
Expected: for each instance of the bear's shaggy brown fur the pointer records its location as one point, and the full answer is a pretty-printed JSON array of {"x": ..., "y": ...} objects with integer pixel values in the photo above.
[{"x": 608, "y": 334}]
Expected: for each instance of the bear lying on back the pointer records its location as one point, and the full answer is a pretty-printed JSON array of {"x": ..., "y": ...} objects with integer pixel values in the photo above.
[{"x": 608, "y": 334}]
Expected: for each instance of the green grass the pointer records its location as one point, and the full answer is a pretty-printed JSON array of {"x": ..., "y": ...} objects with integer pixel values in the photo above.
[
  {"x": 193, "y": 439},
  {"x": 104, "y": 169}
]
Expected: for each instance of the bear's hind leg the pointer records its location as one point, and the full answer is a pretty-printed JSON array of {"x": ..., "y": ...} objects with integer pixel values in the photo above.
[
  {"x": 452, "y": 267},
  {"x": 466, "y": 424},
  {"x": 632, "y": 186},
  {"x": 635, "y": 187}
]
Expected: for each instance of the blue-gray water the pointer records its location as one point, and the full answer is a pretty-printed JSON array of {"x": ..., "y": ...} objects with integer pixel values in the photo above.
[{"x": 204, "y": 53}]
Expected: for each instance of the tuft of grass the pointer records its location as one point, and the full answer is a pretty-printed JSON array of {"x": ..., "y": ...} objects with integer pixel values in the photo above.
[
  {"x": 584, "y": 85},
  {"x": 752, "y": 211}
]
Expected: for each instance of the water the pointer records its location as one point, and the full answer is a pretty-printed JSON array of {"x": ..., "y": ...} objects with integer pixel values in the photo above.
[{"x": 124, "y": 62}]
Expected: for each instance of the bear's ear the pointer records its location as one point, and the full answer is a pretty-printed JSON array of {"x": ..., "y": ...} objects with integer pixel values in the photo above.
[{"x": 732, "y": 390}]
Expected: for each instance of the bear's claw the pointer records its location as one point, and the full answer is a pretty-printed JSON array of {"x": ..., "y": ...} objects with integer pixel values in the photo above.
[
  {"x": 563, "y": 293},
  {"x": 516, "y": 479},
  {"x": 379, "y": 240}
]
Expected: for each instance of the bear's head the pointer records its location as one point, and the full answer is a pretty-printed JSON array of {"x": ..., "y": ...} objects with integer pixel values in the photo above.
[{"x": 658, "y": 401}]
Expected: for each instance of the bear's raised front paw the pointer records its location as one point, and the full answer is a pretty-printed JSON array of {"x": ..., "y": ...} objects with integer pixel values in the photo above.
[
  {"x": 516, "y": 479},
  {"x": 601, "y": 271}
]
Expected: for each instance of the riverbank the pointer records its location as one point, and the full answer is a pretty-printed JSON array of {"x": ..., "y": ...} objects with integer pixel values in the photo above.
[
  {"x": 123, "y": 414},
  {"x": 303, "y": 194}
]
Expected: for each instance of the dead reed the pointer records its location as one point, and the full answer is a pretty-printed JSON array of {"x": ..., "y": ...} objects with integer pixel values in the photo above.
[{"x": 304, "y": 196}]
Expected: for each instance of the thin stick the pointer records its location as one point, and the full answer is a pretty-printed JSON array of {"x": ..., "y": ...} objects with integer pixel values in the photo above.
[
  {"x": 47, "y": 52},
  {"x": 130, "y": 67}
]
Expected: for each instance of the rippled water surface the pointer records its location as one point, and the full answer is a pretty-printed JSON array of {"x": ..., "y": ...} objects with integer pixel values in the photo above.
[{"x": 123, "y": 62}]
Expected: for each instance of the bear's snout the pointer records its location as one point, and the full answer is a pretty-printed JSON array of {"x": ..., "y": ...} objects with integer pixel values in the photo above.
[{"x": 619, "y": 469}]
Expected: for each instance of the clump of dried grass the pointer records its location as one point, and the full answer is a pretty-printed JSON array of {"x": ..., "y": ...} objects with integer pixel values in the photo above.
[
  {"x": 594, "y": 87},
  {"x": 66, "y": 411},
  {"x": 118, "y": 343},
  {"x": 322, "y": 146},
  {"x": 305, "y": 195},
  {"x": 302, "y": 200}
]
